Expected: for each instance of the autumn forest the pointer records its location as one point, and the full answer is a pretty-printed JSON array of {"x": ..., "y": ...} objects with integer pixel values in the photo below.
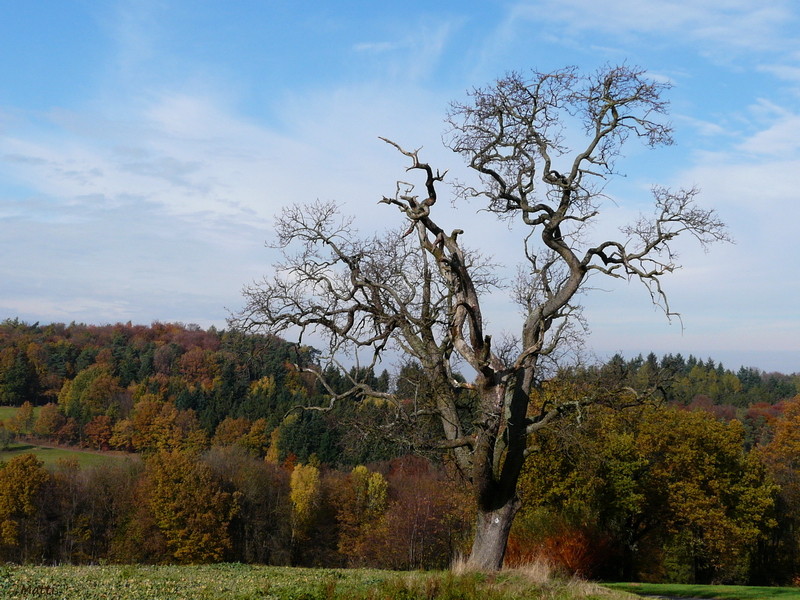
[{"x": 211, "y": 455}]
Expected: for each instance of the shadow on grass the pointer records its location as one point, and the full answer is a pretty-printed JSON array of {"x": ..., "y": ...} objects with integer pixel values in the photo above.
[{"x": 23, "y": 448}]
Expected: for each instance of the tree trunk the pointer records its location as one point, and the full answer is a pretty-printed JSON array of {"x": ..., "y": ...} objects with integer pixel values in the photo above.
[{"x": 491, "y": 535}]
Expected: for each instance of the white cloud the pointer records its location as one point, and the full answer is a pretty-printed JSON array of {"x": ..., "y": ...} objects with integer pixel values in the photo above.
[
  {"x": 703, "y": 127},
  {"x": 790, "y": 73},
  {"x": 780, "y": 138},
  {"x": 718, "y": 29}
]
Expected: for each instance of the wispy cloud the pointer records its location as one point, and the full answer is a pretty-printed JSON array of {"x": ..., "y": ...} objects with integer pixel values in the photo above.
[
  {"x": 725, "y": 25},
  {"x": 167, "y": 204},
  {"x": 377, "y": 47},
  {"x": 786, "y": 72},
  {"x": 781, "y": 139},
  {"x": 413, "y": 57}
]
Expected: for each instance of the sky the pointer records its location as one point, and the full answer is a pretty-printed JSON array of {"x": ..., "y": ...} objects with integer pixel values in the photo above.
[{"x": 145, "y": 147}]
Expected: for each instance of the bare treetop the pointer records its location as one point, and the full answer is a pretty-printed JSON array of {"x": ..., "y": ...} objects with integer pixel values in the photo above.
[{"x": 513, "y": 135}]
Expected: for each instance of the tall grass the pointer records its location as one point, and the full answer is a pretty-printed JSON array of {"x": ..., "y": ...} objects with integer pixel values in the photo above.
[{"x": 538, "y": 577}]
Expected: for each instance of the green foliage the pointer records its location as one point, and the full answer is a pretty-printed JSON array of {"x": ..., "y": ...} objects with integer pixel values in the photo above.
[
  {"x": 94, "y": 391},
  {"x": 673, "y": 492},
  {"x": 684, "y": 380},
  {"x": 678, "y": 495},
  {"x": 310, "y": 433},
  {"x": 19, "y": 380},
  {"x": 210, "y": 371}
]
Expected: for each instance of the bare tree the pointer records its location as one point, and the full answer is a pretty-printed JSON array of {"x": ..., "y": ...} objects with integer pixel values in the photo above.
[{"x": 419, "y": 289}]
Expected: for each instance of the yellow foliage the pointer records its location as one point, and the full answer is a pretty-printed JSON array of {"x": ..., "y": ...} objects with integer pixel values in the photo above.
[
  {"x": 377, "y": 496},
  {"x": 256, "y": 439},
  {"x": 21, "y": 478},
  {"x": 305, "y": 496},
  {"x": 159, "y": 426},
  {"x": 677, "y": 474},
  {"x": 273, "y": 452},
  {"x": 263, "y": 387},
  {"x": 361, "y": 514}
]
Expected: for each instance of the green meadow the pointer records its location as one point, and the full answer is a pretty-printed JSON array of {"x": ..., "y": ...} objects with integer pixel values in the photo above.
[
  {"x": 8, "y": 412},
  {"x": 717, "y": 592},
  {"x": 51, "y": 456}
]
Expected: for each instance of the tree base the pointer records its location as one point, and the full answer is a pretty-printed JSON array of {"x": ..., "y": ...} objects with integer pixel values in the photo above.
[{"x": 491, "y": 537}]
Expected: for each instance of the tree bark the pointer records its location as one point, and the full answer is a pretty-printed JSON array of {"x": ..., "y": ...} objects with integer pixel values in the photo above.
[{"x": 491, "y": 535}]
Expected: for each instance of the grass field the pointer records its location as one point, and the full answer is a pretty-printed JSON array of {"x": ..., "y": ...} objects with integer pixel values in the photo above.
[
  {"x": 720, "y": 592},
  {"x": 245, "y": 582},
  {"x": 8, "y": 412},
  {"x": 51, "y": 456}
]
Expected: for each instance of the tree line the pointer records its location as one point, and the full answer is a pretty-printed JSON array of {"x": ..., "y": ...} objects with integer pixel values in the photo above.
[
  {"x": 170, "y": 386},
  {"x": 226, "y": 504}
]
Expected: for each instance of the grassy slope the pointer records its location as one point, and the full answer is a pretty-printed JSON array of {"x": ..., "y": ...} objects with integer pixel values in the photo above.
[
  {"x": 50, "y": 456},
  {"x": 8, "y": 412},
  {"x": 720, "y": 592},
  {"x": 245, "y": 582}
]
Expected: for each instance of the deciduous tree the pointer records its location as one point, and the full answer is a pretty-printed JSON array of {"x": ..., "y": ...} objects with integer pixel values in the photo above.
[
  {"x": 21, "y": 479},
  {"x": 49, "y": 421},
  {"x": 671, "y": 491},
  {"x": 261, "y": 530},
  {"x": 419, "y": 289},
  {"x": 305, "y": 496},
  {"x": 361, "y": 511},
  {"x": 189, "y": 507},
  {"x": 23, "y": 420}
]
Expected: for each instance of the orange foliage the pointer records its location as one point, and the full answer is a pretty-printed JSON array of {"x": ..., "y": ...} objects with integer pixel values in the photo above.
[
  {"x": 198, "y": 368},
  {"x": 569, "y": 549},
  {"x": 49, "y": 421},
  {"x": 231, "y": 431},
  {"x": 98, "y": 432}
]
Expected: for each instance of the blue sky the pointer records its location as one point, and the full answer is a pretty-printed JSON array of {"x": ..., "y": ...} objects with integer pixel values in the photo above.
[{"x": 146, "y": 145}]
